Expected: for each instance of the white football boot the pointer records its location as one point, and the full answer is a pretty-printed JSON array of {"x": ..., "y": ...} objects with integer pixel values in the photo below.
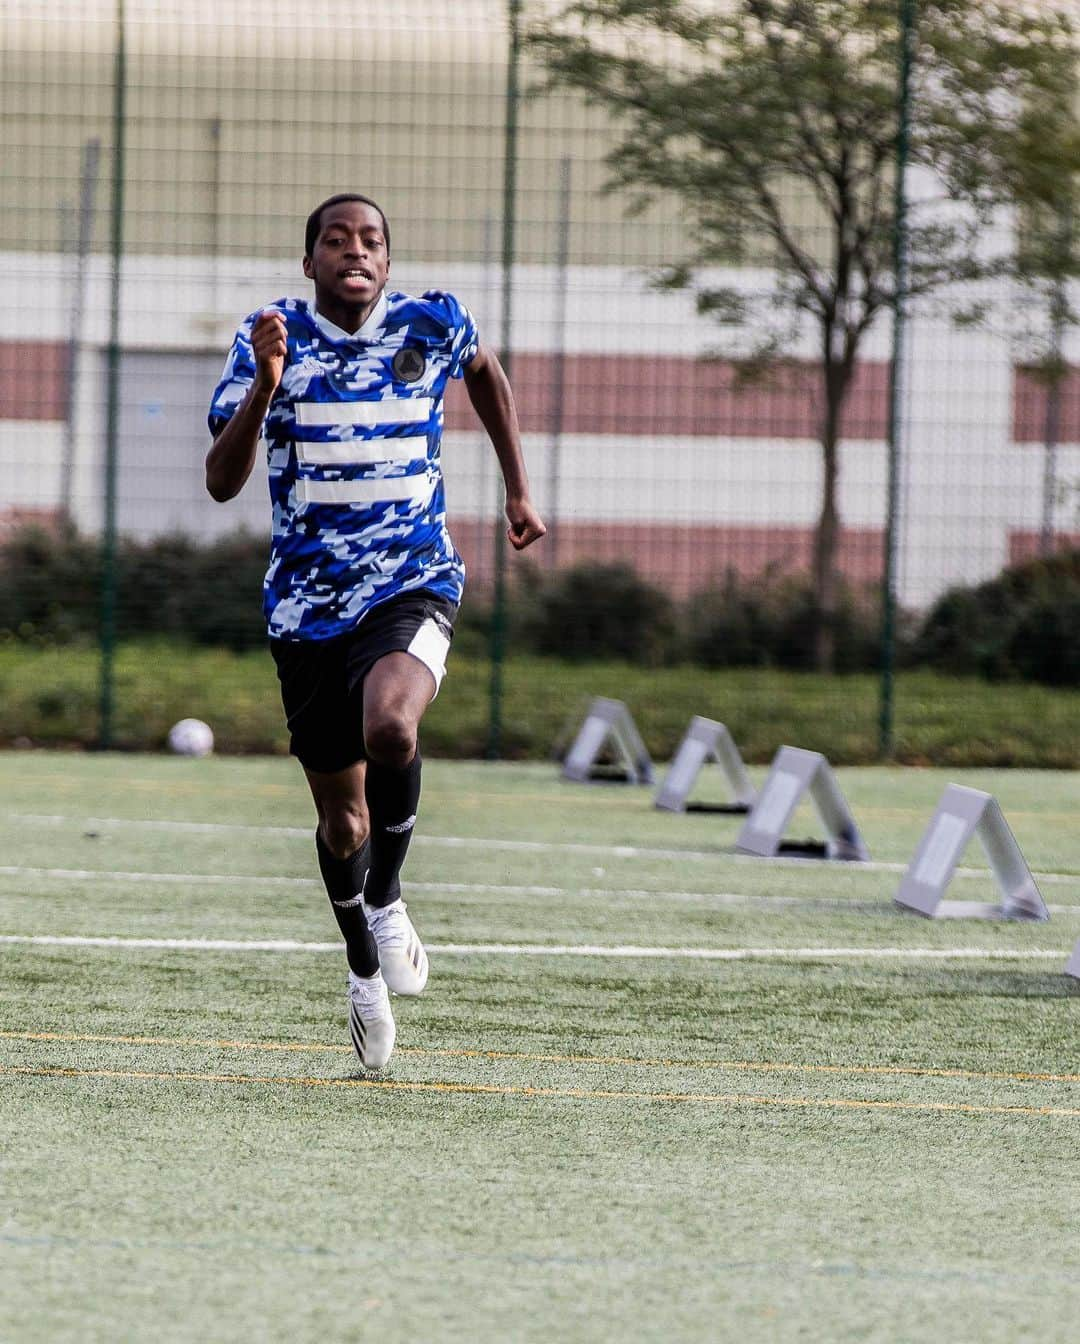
[
  {"x": 371, "y": 1023},
  {"x": 402, "y": 957}
]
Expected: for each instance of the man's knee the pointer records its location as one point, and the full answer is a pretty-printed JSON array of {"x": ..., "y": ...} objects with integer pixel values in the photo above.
[
  {"x": 344, "y": 829},
  {"x": 390, "y": 738}
]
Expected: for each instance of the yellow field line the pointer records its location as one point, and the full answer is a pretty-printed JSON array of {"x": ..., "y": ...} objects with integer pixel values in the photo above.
[
  {"x": 420, "y": 1052},
  {"x": 572, "y": 1093}
]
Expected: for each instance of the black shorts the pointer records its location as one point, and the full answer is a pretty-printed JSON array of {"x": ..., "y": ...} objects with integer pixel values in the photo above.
[{"x": 322, "y": 680}]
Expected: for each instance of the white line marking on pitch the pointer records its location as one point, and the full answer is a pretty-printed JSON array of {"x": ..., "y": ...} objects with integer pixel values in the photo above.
[
  {"x": 562, "y": 949},
  {"x": 124, "y": 875},
  {"x": 513, "y": 846},
  {"x": 764, "y": 903},
  {"x": 448, "y": 888}
]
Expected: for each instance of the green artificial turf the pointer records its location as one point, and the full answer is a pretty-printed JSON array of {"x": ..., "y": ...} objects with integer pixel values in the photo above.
[{"x": 800, "y": 1145}]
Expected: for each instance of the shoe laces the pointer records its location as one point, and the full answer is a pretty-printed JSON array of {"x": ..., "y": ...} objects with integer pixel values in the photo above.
[
  {"x": 369, "y": 995},
  {"x": 389, "y": 924}
]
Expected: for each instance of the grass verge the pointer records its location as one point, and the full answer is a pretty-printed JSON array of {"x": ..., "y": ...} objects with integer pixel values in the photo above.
[{"x": 49, "y": 697}]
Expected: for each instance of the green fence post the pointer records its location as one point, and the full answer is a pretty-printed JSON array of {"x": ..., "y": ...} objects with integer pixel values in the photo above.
[
  {"x": 112, "y": 401},
  {"x": 498, "y": 608},
  {"x": 886, "y": 718}
]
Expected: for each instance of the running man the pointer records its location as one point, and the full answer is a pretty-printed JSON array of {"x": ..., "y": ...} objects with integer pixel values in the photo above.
[{"x": 364, "y": 581}]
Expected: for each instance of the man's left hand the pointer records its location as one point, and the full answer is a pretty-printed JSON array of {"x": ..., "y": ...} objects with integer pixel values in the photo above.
[{"x": 526, "y": 525}]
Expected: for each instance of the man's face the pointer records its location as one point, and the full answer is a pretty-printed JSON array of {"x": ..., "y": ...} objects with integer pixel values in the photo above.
[{"x": 349, "y": 263}]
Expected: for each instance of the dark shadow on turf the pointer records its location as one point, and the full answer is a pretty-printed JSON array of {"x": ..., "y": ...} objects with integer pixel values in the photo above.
[{"x": 991, "y": 983}]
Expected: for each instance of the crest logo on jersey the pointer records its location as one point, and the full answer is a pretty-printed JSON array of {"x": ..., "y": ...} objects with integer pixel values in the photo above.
[{"x": 409, "y": 364}]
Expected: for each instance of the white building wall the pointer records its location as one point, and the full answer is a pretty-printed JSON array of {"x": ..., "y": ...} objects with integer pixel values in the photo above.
[{"x": 965, "y": 485}]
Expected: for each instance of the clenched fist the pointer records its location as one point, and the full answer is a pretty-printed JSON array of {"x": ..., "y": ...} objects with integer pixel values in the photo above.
[
  {"x": 270, "y": 349},
  {"x": 526, "y": 525}
]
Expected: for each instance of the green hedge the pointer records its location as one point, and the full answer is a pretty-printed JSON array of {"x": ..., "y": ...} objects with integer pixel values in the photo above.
[
  {"x": 1022, "y": 625},
  {"x": 212, "y": 594},
  {"x": 587, "y": 612}
]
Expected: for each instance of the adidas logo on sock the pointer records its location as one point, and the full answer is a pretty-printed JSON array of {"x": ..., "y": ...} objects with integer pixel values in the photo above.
[{"x": 353, "y": 901}]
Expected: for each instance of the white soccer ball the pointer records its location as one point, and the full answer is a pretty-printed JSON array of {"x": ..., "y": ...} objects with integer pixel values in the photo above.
[{"x": 191, "y": 737}]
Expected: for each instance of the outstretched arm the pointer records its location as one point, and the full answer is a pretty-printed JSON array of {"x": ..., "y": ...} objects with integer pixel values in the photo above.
[
  {"x": 489, "y": 391},
  {"x": 232, "y": 456}
]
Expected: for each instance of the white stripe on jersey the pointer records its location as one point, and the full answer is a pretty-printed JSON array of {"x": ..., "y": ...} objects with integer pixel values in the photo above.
[
  {"x": 365, "y": 414},
  {"x": 403, "y": 448},
  {"x": 416, "y": 489}
]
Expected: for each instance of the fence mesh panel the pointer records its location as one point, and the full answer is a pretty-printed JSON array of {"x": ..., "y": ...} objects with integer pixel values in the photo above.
[{"x": 647, "y": 446}]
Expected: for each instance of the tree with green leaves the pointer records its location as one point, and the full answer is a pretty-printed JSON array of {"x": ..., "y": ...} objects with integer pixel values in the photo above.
[{"x": 775, "y": 123}]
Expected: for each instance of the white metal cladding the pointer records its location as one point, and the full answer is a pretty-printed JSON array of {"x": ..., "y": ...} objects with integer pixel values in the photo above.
[
  {"x": 416, "y": 489},
  {"x": 965, "y": 478},
  {"x": 365, "y": 414}
]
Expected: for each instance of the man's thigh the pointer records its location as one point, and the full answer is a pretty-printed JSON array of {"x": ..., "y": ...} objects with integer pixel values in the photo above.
[
  {"x": 396, "y": 657},
  {"x": 398, "y": 688},
  {"x": 417, "y": 626},
  {"x": 324, "y": 715}
]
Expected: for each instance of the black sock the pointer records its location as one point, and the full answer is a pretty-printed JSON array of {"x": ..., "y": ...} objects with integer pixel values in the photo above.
[
  {"x": 345, "y": 879},
  {"x": 393, "y": 797}
]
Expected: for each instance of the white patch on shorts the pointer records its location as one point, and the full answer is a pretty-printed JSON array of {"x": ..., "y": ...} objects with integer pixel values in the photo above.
[{"x": 431, "y": 646}]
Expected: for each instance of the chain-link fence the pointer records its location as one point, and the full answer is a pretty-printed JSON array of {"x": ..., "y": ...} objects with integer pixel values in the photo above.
[{"x": 159, "y": 162}]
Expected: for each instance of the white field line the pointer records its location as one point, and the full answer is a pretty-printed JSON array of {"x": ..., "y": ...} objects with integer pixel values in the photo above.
[
  {"x": 189, "y": 879},
  {"x": 513, "y": 846},
  {"x": 735, "y": 898},
  {"x": 564, "y": 949}
]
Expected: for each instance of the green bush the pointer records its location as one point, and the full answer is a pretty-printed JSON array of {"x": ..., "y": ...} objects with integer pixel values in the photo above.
[
  {"x": 225, "y": 608},
  {"x": 1045, "y": 643},
  {"x": 51, "y": 588},
  {"x": 601, "y": 611},
  {"x": 772, "y": 621},
  {"x": 1025, "y": 623},
  {"x": 473, "y": 627}
]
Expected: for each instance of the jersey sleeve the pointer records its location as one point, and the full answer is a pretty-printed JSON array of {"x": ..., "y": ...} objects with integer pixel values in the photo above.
[
  {"x": 462, "y": 335},
  {"x": 236, "y": 377}
]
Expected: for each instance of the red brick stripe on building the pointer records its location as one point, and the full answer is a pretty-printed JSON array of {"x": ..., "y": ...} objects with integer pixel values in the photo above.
[
  {"x": 33, "y": 380},
  {"x": 1026, "y": 544},
  {"x": 1030, "y": 396},
  {"x": 621, "y": 394},
  {"x": 668, "y": 395},
  {"x": 680, "y": 559},
  {"x": 602, "y": 394},
  {"x": 13, "y": 520}
]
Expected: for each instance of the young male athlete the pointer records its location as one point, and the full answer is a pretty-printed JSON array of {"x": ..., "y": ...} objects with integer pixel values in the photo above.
[{"x": 364, "y": 581}]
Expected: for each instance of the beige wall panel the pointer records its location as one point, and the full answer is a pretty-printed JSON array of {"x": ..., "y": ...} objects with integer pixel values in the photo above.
[{"x": 412, "y": 113}]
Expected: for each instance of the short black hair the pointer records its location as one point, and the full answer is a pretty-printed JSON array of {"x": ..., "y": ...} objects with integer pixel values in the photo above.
[{"x": 314, "y": 222}]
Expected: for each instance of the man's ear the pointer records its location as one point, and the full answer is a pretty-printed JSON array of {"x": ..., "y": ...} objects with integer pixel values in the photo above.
[{"x": 306, "y": 264}]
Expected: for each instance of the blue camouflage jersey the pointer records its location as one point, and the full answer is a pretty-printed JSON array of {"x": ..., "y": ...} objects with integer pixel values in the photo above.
[{"x": 353, "y": 439}]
